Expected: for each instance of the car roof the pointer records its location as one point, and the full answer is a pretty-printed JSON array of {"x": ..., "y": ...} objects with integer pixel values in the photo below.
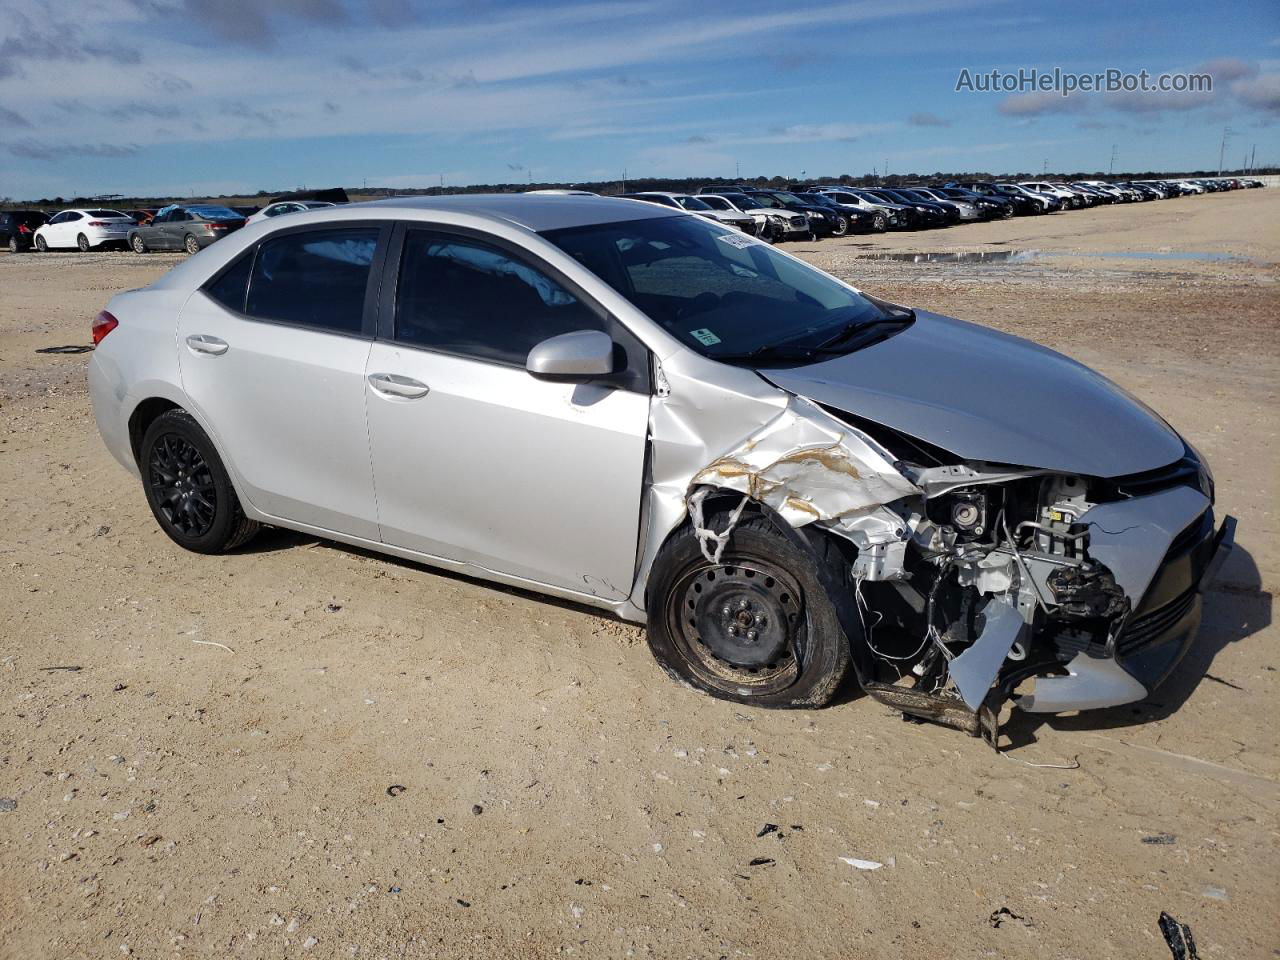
[{"x": 537, "y": 212}]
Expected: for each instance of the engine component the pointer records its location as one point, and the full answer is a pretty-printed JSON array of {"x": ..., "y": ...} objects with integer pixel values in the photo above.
[{"x": 1087, "y": 592}]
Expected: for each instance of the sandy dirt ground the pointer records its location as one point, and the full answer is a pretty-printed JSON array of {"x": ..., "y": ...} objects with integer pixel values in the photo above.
[{"x": 384, "y": 761}]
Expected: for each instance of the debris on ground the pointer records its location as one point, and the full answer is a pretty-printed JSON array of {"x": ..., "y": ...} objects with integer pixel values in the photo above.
[
  {"x": 396, "y": 789},
  {"x": 1216, "y": 893},
  {"x": 1162, "y": 839},
  {"x": 8, "y": 804},
  {"x": 767, "y": 829},
  {"x": 1004, "y": 915},
  {"x": 862, "y": 864},
  {"x": 1178, "y": 937},
  {"x": 760, "y": 862},
  {"x": 74, "y": 669},
  {"x": 476, "y": 809}
]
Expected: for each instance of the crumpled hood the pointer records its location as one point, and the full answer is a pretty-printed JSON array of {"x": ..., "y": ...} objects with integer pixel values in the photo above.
[{"x": 985, "y": 395}]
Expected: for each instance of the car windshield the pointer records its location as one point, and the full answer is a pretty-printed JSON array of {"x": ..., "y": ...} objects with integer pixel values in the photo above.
[
  {"x": 210, "y": 211},
  {"x": 721, "y": 293},
  {"x": 692, "y": 203},
  {"x": 108, "y": 214},
  {"x": 788, "y": 198},
  {"x": 716, "y": 203},
  {"x": 820, "y": 199}
]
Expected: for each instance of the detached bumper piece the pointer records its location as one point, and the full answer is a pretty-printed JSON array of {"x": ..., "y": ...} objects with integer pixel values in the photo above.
[{"x": 1166, "y": 615}]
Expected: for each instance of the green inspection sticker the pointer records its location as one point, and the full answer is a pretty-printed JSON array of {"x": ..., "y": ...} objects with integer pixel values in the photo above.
[{"x": 704, "y": 337}]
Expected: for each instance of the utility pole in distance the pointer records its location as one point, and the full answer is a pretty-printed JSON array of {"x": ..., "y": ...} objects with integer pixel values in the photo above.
[
  {"x": 1112, "y": 171},
  {"x": 1222, "y": 150}
]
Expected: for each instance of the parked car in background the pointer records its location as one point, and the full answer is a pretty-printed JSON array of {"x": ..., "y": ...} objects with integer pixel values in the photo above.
[
  {"x": 898, "y": 216},
  {"x": 83, "y": 229},
  {"x": 695, "y": 205},
  {"x": 18, "y": 228},
  {"x": 989, "y": 207},
  {"x": 750, "y": 456},
  {"x": 190, "y": 228},
  {"x": 1023, "y": 205},
  {"x": 283, "y": 207},
  {"x": 823, "y": 221},
  {"x": 773, "y": 225},
  {"x": 1048, "y": 203},
  {"x": 856, "y": 218}
]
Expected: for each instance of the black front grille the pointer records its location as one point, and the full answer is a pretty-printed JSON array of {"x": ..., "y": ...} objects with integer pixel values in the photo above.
[
  {"x": 1141, "y": 631},
  {"x": 1180, "y": 473}
]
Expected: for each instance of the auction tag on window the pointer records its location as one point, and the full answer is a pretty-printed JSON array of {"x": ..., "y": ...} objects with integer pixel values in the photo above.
[
  {"x": 704, "y": 337},
  {"x": 738, "y": 240}
]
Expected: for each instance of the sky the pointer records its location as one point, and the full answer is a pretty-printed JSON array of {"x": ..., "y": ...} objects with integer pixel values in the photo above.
[{"x": 182, "y": 97}]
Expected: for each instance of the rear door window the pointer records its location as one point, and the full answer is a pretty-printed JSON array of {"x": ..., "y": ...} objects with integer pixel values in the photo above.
[{"x": 314, "y": 278}]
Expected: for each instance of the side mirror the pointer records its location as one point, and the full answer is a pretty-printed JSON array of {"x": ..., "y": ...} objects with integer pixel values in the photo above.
[{"x": 572, "y": 357}]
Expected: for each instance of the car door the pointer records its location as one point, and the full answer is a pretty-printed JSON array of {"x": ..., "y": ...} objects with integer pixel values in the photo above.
[
  {"x": 273, "y": 352},
  {"x": 63, "y": 233},
  {"x": 474, "y": 459}
]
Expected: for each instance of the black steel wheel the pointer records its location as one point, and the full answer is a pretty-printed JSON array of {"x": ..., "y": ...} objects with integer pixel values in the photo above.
[
  {"x": 188, "y": 488},
  {"x": 191, "y": 244},
  {"x": 758, "y": 627}
]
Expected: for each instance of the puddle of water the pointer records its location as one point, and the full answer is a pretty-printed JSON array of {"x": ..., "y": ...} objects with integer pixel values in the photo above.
[{"x": 1027, "y": 256}]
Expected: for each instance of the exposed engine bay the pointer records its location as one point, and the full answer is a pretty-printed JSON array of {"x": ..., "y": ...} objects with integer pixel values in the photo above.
[{"x": 970, "y": 579}]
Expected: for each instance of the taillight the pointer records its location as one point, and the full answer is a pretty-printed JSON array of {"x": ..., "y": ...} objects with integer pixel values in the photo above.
[
  {"x": 103, "y": 324},
  {"x": 97, "y": 223},
  {"x": 23, "y": 228}
]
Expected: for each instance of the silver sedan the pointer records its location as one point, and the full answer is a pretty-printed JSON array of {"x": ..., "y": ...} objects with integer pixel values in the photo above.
[{"x": 790, "y": 481}]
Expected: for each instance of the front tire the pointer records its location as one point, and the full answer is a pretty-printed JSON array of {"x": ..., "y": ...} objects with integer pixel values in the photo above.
[
  {"x": 139, "y": 245},
  {"x": 188, "y": 488},
  {"x": 82, "y": 243},
  {"x": 840, "y": 227},
  {"x": 880, "y": 224},
  {"x": 42, "y": 245},
  {"x": 761, "y": 627},
  {"x": 191, "y": 244}
]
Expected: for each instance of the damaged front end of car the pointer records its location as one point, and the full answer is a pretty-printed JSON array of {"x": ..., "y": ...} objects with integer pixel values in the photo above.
[{"x": 977, "y": 583}]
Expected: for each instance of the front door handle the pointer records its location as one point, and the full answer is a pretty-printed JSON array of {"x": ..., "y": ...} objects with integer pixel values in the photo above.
[
  {"x": 203, "y": 343},
  {"x": 394, "y": 385}
]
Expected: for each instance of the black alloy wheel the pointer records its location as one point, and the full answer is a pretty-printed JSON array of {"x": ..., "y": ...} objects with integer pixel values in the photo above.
[{"x": 188, "y": 488}]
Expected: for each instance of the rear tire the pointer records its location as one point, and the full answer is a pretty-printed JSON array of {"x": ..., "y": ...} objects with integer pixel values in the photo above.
[
  {"x": 780, "y": 586},
  {"x": 191, "y": 244},
  {"x": 13, "y": 244},
  {"x": 188, "y": 488},
  {"x": 82, "y": 243}
]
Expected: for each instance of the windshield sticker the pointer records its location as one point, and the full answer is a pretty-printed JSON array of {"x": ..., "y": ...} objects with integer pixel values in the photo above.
[
  {"x": 738, "y": 240},
  {"x": 704, "y": 337}
]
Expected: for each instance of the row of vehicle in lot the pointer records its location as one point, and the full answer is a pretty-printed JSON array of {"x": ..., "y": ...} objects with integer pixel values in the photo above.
[
  {"x": 810, "y": 213},
  {"x": 189, "y": 227},
  {"x": 833, "y": 210}
]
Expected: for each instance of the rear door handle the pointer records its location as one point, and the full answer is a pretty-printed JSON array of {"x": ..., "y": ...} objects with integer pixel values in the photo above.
[
  {"x": 394, "y": 385},
  {"x": 203, "y": 343}
]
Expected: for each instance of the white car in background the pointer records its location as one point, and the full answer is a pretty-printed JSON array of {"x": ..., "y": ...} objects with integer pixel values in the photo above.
[
  {"x": 83, "y": 229},
  {"x": 696, "y": 205},
  {"x": 1068, "y": 198},
  {"x": 286, "y": 206}
]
